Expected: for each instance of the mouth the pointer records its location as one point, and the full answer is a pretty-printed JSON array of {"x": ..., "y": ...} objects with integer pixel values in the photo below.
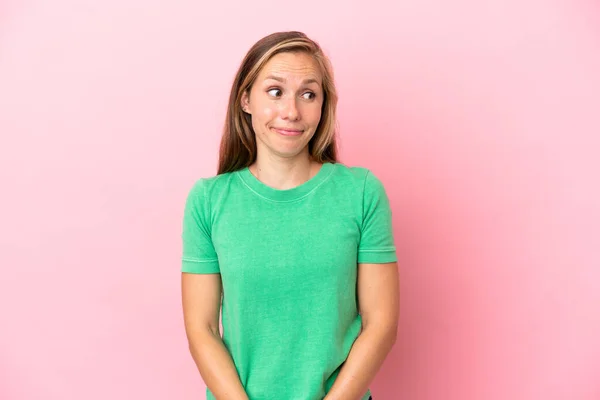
[{"x": 288, "y": 132}]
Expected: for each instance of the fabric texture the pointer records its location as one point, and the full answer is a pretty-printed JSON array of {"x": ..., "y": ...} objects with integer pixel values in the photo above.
[{"x": 288, "y": 263}]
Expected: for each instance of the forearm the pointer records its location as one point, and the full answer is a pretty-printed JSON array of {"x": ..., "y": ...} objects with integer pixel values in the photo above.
[
  {"x": 366, "y": 357},
  {"x": 216, "y": 366}
]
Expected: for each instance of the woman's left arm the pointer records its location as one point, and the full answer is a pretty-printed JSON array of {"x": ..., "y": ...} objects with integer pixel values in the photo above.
[{"x": 378, "y": 302}]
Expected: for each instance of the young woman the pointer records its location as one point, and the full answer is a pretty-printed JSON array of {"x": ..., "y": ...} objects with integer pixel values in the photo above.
[{"x": 294, "y": 249}]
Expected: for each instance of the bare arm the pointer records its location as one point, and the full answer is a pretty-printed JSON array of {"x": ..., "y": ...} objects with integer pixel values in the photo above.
[
  {"x": 378, "y": 298},
  {"x": 201, "y": 297}
]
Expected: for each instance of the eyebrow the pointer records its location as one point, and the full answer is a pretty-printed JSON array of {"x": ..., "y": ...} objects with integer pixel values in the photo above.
[{"x": 282, "y": 80}]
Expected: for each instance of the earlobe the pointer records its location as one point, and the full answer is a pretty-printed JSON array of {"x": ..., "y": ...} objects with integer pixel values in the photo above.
[{"x": 244, "y": 103}]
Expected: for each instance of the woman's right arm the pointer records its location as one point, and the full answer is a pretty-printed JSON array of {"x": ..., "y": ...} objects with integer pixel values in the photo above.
[{"x": 201, "y": 297}]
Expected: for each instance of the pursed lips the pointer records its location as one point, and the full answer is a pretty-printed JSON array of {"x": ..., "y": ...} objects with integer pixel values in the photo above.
[{"x": 288, "y": 131}]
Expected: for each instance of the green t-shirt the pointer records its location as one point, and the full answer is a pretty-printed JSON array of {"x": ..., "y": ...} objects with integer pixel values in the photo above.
[{"x": 288, "y": 264}]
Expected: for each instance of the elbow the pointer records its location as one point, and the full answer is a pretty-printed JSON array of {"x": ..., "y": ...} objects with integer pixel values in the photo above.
[
  {"x": 393, "y": 334},
  {"x": 385, "y": 332},
  {"x": 197, "y": 337},
  {"x": 389, "y": 334}
]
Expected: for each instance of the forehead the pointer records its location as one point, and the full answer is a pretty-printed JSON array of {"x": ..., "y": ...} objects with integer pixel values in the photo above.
[{"x": 291, "y": 65}]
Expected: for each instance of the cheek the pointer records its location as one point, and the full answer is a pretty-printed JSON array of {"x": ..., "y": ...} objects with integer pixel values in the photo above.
[
  {"x": 268, "y": 112},
  {"x": 262, "y": 116},
  {"x": 265, "y": 113},
  {"x": 315, "y": 114}
]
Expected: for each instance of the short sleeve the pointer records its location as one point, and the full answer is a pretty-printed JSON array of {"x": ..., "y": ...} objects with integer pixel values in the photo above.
[
  {"x": 199, "y": 254},
  {"x": 377, "y": 238}
]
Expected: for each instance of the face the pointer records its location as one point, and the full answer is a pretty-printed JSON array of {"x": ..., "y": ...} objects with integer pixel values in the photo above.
[{"x": 285, "y": 104}]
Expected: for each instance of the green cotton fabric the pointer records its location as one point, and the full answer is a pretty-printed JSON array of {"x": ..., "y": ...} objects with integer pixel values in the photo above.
[{"x": 288, "y": 264}]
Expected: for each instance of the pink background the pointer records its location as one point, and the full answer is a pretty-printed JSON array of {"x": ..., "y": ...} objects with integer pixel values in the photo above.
[{"x": 481, "y": 117}]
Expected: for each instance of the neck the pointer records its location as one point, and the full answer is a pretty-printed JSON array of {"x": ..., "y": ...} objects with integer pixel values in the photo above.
[{"x": 284, "y": 173}]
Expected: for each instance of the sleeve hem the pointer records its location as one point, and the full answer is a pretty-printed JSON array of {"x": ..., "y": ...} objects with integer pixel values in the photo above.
[
  {"x": 200, "y": 267},
  {"x": 377, "y": 256}
]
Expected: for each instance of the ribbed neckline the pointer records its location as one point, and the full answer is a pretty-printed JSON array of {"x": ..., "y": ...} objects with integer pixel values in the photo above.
[{"x": 292, "y": 194}]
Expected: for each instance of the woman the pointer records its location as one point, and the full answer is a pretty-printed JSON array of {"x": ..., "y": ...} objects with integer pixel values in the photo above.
[{"x": 295, "y": 247}]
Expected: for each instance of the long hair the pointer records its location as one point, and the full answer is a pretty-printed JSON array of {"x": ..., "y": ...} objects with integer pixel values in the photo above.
[{"x": 238, "y": 144}]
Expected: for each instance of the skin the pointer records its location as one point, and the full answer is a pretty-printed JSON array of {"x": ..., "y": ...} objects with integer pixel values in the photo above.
[
  {"x": 287, "y": 95},
  {"x": 378, "y": 299}
]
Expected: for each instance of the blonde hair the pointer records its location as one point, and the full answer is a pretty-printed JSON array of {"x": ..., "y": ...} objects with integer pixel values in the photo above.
[{"x": 238, "y": 143}]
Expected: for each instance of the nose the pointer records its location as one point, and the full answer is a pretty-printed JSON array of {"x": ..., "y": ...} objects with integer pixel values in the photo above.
[{"x": 290, "y": 110}]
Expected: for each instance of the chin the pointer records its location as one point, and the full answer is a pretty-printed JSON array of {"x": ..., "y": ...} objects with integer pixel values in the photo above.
[{"x": 290, "y": 153}]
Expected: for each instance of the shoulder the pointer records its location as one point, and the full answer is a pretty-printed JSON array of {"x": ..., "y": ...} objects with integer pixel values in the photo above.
[
  {"x": 205, "y": 187},
  {"x": 357, "y": 175},
  {"x": 202, "y": 195}
]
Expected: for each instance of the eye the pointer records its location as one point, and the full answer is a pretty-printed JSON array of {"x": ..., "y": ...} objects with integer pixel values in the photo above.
[
  {"x": 275, "y": 92},
  {"x": 309, "y": 95}
]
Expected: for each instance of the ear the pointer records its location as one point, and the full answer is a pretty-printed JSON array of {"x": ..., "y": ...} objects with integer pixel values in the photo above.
[{"x": 245, "y": 102}]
